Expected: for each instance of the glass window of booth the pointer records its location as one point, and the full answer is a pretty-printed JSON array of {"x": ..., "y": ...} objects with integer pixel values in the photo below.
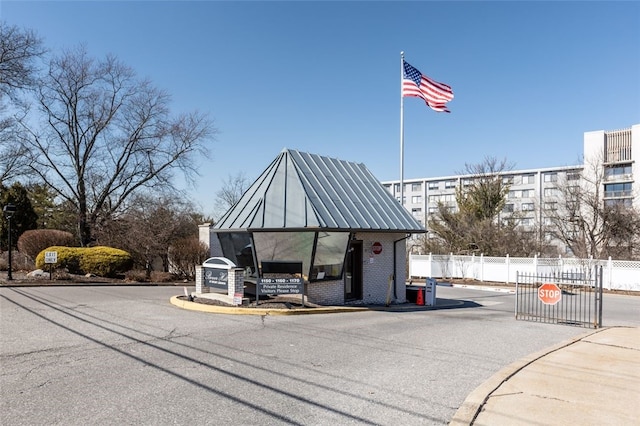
[
  {"x": 329, "y": 255},
  {"x": 236, "y": 246},
  {"x": 294, "y": 246}
]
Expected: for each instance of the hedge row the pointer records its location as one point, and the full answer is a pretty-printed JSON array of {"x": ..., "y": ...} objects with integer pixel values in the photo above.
[{"x": 100, "y": 261}]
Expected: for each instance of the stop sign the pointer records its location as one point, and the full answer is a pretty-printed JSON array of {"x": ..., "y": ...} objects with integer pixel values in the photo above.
[
  {"x": 377, "y": 248},
  {"x": 549, "y": 294}
]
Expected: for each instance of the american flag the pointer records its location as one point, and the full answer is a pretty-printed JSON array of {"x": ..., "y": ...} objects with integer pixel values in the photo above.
[{"x": 435, "y": 94}]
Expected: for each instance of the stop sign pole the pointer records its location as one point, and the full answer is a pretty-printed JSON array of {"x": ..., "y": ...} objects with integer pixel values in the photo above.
[{"x": 549, "y": 294}]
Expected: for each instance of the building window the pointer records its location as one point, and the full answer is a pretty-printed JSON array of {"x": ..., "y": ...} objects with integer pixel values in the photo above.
[
  {"x": 434, "y": 185},
  {"x": 432, "y": 210},
  {"x": 416, "y": 199},
  {"x": 550, "y": 177},
  {"x": 614, "y": 190},
  {"x": 416, "y": 211},
  {"x": 397, "y": 187},
  {"x": 551, "y": 205},
  {"x": 618, "y": 171},
  {"x": 508, "y": 208},
  {"x": 527, "y": 207},
  {"x": 550, "y": 192},
  {"x": 434, "y": 199},
  {"x": 526, "y": 221},
  {"x": 507, "y": 180},
  {"x": 520, "y": 193},
  {"x": 450, "y": 184},
  {"x": 416, "y": 187},
  {"x": 466, "y": 182},
  {"x": 573, "y": 176},
  {"x": 528, "y": 179},
  {"x": 623, "y": 202}
]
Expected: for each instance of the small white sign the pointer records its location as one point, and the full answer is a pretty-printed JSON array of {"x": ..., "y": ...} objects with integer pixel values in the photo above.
[{"x": 50, "y": 257}]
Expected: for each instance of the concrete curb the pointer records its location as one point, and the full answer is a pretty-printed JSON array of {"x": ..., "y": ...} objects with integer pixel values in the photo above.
[
  {"x": 232, "y": 310},
  {"x": 89, "y": 284},
  {"x": 473, "y": 404},
  {"x": 193, "y": 306}
]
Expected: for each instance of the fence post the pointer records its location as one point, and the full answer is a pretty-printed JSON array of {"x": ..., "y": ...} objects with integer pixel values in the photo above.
[
  {"x": 452, "y": 265},
  {"x": 508, "y": 268},
  {"x": 473, "y": 266},
  {"x": 481, "y": 267},
  {"x": 609, "y": 272},
  {"x": 560, "y": 264},
  {"x": 430, "y": 265}
]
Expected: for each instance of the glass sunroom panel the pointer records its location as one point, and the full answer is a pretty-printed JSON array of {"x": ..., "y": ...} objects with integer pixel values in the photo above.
[
  {"x": 293, "y": 246},
  {"x": 329, "y": 256}
]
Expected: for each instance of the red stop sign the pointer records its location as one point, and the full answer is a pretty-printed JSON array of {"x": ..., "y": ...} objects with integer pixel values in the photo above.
[
  {"x": 377, "y": 248},
  {"x": 549, "y": 294}
]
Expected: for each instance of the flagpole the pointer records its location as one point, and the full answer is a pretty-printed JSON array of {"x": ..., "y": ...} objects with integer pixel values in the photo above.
[{"x": 401, "y": 131}]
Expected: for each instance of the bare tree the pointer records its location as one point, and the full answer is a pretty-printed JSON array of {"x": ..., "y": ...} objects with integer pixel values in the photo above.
[
  {"x": 232, "y": 189},
  {"x": 19, "y": 52},
  {"x": 148, "y": 229},
  {"x": 106, "y": 135},
  {"x": 586, "y": 223}
]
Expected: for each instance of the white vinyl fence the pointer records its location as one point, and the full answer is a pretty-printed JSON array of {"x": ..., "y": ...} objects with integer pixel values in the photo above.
[{"x": 617, "y": 274}]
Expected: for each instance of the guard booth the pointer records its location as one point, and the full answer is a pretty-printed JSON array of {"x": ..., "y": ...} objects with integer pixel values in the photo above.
[{"x": 332, "y": 215}]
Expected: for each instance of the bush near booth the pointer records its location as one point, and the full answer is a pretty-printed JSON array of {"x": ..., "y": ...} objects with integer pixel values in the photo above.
[
  {"x": 32, "y": 242},
  {"x": 101, "y": 261}
]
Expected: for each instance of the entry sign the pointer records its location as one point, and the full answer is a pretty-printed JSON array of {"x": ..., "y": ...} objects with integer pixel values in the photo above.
[
  {"x": 50, "y": 257},
  {"x": 549, "y": 294},
  {"x": 377, "y": 248}
]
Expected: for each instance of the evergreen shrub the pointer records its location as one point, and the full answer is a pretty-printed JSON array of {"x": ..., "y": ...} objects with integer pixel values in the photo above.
[{"x": 101, "y": 261}]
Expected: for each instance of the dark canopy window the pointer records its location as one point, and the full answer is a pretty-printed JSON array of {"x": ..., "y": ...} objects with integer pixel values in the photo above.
[{"x": 236, "y": 246}]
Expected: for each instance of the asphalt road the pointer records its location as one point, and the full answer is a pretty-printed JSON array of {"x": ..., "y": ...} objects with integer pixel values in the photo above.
[{"x": 125, "y": 355}]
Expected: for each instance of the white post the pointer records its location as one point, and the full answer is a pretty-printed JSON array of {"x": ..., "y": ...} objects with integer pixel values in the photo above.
[
  {"x": 507, "y": 260},
  {"x": 401, "y": 131},
  {"x": 481, "y": 266},
  {"x": 473, "y": 266}
]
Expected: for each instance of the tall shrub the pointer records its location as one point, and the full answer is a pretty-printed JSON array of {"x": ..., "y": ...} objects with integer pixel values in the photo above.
[{"x": 36, "y": 240}]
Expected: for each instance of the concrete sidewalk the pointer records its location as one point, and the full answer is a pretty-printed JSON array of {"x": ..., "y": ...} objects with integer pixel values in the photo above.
[{"x": 591, "y": 380}]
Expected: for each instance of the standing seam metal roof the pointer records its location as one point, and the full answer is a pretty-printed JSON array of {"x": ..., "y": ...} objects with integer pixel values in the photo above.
[{"x": 302, "y": 191}]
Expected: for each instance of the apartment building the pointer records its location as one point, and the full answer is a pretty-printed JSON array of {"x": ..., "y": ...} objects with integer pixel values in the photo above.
[{"x": 610, "y": 159}]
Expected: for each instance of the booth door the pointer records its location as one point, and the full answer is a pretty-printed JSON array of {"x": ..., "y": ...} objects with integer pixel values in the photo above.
[{"x": 353, "y": 272}]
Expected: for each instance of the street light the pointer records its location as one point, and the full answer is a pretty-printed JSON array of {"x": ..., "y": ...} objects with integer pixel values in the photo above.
[{"x": 9, "y": 210}]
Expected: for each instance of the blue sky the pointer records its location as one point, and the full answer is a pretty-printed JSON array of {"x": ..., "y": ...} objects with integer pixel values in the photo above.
[{"x": 529, "y": 78}]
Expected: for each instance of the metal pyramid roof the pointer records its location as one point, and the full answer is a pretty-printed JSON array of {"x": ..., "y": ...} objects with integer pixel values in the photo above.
[{"x": 301, "y": 191}]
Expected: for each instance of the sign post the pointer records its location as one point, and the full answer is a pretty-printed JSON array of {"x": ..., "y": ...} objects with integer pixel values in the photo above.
[
  {"x": 50, "y": 257},
  {"x": 549, "y": 294}
]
